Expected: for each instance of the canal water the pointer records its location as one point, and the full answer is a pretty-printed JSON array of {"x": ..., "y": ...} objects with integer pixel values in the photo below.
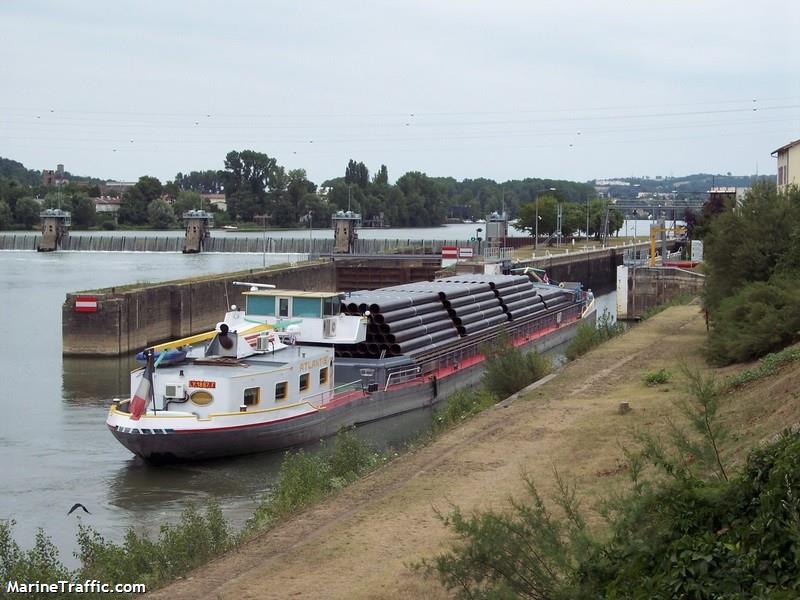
[{"x": 54, "y": 447}]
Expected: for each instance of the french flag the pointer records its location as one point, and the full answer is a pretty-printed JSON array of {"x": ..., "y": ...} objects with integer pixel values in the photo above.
[{"x": 144, "y": 392}]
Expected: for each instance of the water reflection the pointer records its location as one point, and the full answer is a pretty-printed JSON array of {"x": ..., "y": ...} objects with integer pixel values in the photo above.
[{"x": 95, "y": 381}]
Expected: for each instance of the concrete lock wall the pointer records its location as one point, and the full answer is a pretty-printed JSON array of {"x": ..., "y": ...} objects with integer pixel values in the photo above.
[
  {"x": 648, "y": 287},
  {"x": 128, "y": 320},
  {"x": 595, "y": 269}
]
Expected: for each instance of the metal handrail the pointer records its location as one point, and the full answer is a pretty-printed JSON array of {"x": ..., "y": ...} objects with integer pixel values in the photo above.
[
  {"x": 410, "y": 374},
  {"x": 333, "y": 391}
]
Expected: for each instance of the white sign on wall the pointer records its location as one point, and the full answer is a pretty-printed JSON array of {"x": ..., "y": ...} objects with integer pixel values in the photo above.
[{"x": 697, "y": 250}]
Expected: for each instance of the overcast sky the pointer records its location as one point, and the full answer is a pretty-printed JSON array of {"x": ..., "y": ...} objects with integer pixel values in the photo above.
[{"x": 575, "y": 90}]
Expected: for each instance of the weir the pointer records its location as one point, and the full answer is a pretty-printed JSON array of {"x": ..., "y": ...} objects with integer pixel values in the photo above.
[{"x": 98, "y": 242}]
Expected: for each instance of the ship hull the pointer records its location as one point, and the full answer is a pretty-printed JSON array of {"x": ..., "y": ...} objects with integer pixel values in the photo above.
[{"x": 166, "y": 444}]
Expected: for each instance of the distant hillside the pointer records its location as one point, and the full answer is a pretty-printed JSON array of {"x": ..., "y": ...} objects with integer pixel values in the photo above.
[
  {"x": 698, "y": 183},
  {"x": 12, "y": 169}
]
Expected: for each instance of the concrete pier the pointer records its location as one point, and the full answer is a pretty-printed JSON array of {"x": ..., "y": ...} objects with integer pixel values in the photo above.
[
  {"x": 55, "y": 229},
  {"x": 642, "y": 288},
  {"x": 197, "y": 225}
]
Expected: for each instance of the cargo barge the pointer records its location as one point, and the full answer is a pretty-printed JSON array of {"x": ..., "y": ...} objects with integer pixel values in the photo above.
[{"x": 295, "y": 367}]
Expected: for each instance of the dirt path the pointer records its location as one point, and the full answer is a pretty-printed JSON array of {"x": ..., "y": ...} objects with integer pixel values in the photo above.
[{"x": 359, "y": 543}]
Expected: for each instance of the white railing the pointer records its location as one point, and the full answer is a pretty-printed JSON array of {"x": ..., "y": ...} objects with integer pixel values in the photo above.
[
  {"x": 327, "y": 395},
  {"x": 401, "y": 376}
]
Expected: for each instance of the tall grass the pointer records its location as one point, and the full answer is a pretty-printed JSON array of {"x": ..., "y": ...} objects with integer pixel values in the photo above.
[
  {"x": 193, "y": 541},
  {"x": 307, "y": 478},
  {"x": 461, "y": 405},
  {"x": 588, "y": 336}
]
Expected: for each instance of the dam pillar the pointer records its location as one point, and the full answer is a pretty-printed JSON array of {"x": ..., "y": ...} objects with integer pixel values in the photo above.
[
  {"x": 55, "y": 229},
  {"x": 198, "y": 225},
  {"x": 345, "y": 225}
]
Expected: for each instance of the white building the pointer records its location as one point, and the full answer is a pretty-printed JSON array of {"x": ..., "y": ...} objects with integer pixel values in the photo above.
[{"x": 788, "y": 165}]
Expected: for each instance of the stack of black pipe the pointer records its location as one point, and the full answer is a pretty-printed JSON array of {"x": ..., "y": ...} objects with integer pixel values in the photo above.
[
  {"x": 518, "y": 298},
  {"x": 416, "y": 318},
  {"x": 403, "y": 319},
  {"x": 471, "y": 303}
]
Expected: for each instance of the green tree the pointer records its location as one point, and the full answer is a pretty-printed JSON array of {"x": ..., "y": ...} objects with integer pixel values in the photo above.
[
  {"x": 573, "y": 219},
  {"x": 26, "y": 212},
  {"x": 356, "y": 173},
  {"x": 5, "y": 215},
  {"x": 160, "y": 215},
  {"x": 381, "y": 177},
  {"x": 186, "y": 200},
  {"x": 546, "y": 207},
  {"x": 247, "y": 178},
  {"x": 136, "y": 200},
  {"x": 83, "y": 212},
  {"x": 749, "y": 244}
]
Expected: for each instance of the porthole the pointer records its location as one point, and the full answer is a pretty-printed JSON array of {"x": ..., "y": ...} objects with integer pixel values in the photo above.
[{"x": 201, "y": 397}]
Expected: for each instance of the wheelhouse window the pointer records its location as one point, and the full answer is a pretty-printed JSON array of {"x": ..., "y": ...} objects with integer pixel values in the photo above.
[
  {"x": 251, "y": 396},
  {"x": 305, "y": 381},
  {"x": 281, "y": 390},
  {"x": 330, "y": 307},
  {"x": 323, "y": 375},
  {"x": 283, "y": 307}
]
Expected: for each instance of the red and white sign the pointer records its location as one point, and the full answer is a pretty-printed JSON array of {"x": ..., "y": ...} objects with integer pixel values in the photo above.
[
  {"x": 465, "y": 253},
  {"x": 85, "y": 304},
  {"x": 449, "y": 251}
]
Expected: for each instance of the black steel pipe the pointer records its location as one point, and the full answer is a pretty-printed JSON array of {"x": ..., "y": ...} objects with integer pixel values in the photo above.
[
  {"x": 432, "y": 317},
  {"x": 403, "y": 313},
  {"x": 406, "y": 334}
]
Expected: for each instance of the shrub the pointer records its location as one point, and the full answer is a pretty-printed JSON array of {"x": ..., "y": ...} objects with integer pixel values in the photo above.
[
  {"x": 659, "y": 377},
  {"x": 767, "y": 366},
  {"x": 40, "y": 563},
  {"x": 181, "y": 547},
  {"x": 588, "y": 336},
  {"x": 193, "y": 541},
  {"x": 306, "y": 478},
  {"x": 686, "y": 532},
  {"x": 461, "y": 405},
  {"x": 508, "y": 369},
  {"x": 762, "y": 317}
]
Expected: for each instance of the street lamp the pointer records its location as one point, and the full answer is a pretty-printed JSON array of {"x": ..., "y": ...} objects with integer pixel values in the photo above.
[
  {"x": 310, "y": 234},
  {"x": 536, "y": 238},
  {"x": 478, "y": 238}
]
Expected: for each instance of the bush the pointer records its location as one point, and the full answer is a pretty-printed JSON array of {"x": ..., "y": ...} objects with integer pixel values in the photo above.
[
  {"x": 767, "y": 366},
  {"x": 659, "y": 377},
  {"x": 40, "y": 563},
  {"x": 508, "y": 369},
  {"x": 178, "y": 549},
  {"x": 687, "y": 532},
  {"x": 588, "y": 336},
  {"x": 762, "y": 317},
  {"x": 307, "y": 478},
  {"x": 462, "y": 405}
]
